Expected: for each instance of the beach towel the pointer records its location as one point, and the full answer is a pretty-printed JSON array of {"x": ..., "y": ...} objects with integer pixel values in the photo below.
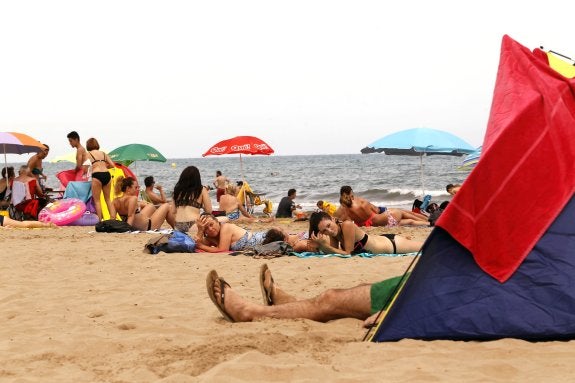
[{"x": 308, "y": 254}]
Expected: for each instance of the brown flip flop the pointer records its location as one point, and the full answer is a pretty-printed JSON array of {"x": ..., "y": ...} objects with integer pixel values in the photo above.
[
  {"x": 266, "y": 294},
  {"x": 211, "y": 279}
]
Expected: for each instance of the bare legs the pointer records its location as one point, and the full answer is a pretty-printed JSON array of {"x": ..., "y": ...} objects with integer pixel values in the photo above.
[{"x": 331, "y": 304}]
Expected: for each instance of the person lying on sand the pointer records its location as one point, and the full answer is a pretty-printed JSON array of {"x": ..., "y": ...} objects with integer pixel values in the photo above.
[
  {"x": 361, "y": 302},
  {"x": 335, "y": 237},
  {"x": 214, "y": 236},
  {"x": 8, "y": 222},
  {"x": 299, "y": 242},
  {"x": 364, "y": 213}
]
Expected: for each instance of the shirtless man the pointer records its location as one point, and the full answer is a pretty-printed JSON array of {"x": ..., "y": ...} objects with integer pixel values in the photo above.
[
  {"x": 364, "y": 213},
  {"x": 220, "y": 182},
  {"x": 82, "y": 161}
]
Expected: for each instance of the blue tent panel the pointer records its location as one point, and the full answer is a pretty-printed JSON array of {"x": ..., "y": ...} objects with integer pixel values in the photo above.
[{"x": 449, "y": 297}]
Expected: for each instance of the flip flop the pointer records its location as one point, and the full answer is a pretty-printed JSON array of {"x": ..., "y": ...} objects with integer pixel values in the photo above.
[
  {"x": 266, "y": 295},
  {"x": 211, "y": 279}
]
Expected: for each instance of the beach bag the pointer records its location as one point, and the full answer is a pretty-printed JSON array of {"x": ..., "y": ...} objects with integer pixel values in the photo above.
[
  {"x": 30, "y": 208},
  {"x": 14, "y": 214},
  {"x": 113, "y": 226},
  {"x": 175, "y": 242}
]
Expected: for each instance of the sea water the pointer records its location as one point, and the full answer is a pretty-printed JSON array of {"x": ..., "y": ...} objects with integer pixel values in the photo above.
[{"x": 393, "y": 181}]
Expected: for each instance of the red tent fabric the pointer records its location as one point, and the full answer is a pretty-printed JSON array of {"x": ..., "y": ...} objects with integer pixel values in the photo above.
[{"x": 526, "y": 174}]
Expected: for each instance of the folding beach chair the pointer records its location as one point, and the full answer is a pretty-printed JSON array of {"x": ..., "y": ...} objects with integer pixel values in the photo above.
[{"x": 250, "y": 199}]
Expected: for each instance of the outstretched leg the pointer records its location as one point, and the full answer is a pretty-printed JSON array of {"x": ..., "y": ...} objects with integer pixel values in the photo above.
[
  {"x": 273, "y": 295},
  {"x": 329, "y": 305}
]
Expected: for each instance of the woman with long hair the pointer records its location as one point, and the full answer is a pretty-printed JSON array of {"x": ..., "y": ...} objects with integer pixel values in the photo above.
[
  {"x": 335, "y": 237},
  {"x": 189, "y": 197}
]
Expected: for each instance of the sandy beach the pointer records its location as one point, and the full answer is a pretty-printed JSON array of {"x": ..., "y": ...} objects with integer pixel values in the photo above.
[{"x": 80, "y": 306}]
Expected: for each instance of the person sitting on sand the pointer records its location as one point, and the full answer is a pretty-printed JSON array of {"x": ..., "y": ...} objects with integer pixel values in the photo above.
[
  {"x": 188, "y": 198},
  {"x": 8, "y": 222},
  {"x": 335, "y": 237},
  {"x": 233, "y": 208},
  {"x": 362, "y": 302},
  {"x": 299, "y": 242},
  {"x": 328, "y": 207},
  {"x": 140, "y": 214},
  {"x": 364, "y": 213},
  {"x": 150, "y": 195},
  {"x": 287, "y": 206},
  {"x": 214, "y": 236},
  {"x": 7, "y": 176},
  {"x": 453, "y": 188}
]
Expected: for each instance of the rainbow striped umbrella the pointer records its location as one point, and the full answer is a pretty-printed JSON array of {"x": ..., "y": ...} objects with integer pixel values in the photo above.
[{"x": 18, "y": 143}]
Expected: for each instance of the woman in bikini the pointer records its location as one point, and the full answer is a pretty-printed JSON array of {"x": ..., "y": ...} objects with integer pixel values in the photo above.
[
  {"x": 140, "y": 214},
  {"x": 101, "y": 177},
  {"x": 216, "y": 237},
  {"x": 189, "y": 197},
  {"x": 335, "y": 237}
]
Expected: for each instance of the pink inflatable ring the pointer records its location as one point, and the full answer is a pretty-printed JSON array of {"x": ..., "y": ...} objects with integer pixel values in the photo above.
[{"x": 63, "y": 211}]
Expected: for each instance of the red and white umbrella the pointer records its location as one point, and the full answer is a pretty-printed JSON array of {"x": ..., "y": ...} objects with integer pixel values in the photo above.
[{"x": 240, "y": 145}]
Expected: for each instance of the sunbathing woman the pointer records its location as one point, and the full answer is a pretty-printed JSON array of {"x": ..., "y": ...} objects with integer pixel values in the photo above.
[
  {"x": 334, "y": 237},
  {"x": 215, "y": 237},
  {"x": 140, "y": 214},
  {"x": 189, "y": 197},
  {"x": 9, "y": 222}
]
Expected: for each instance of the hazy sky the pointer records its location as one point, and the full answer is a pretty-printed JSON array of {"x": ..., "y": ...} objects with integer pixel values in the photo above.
[{"x": 308, "y": 77}]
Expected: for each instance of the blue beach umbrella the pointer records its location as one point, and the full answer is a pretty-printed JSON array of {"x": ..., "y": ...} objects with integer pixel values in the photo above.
[{"x": 420, "y": 142}]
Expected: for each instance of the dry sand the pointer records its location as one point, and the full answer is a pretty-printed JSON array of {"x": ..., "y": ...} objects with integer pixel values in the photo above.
[{"x": 80, "y": 306}]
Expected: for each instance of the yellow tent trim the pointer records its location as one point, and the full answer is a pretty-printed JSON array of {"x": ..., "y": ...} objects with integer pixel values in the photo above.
[{"x": 560, "y": 65}]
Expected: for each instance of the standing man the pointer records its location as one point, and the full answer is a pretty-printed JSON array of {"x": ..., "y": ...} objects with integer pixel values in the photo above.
[
  {"x": 220, "y": 182},
  {"x": 82, "y": 161},
  {"x": 287, "y": 206},
  {"x": 35, "y": 166}
]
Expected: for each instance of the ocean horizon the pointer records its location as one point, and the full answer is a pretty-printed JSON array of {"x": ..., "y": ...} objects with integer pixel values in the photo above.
[{"x": 385, "y": 180}]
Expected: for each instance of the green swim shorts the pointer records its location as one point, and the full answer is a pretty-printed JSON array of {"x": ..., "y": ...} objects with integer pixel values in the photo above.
[{"x": 381, "y": 292}]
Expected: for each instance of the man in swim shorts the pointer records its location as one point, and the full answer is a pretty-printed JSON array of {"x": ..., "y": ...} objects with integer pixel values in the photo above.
[
  {"x": 364, "y": 213},
  {"x": 360, "y": 302}
]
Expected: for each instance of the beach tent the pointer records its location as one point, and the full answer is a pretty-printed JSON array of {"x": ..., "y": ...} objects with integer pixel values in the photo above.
[{"x": 501, "y": 261}]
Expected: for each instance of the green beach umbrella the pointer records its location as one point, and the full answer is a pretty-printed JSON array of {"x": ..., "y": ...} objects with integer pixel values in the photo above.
[{"x": 130, "y": 153}]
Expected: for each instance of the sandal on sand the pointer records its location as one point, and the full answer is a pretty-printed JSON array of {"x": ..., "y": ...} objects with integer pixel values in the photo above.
[
  {"x": 211, "y": 280},
  {"x": 266, "y": 294}
]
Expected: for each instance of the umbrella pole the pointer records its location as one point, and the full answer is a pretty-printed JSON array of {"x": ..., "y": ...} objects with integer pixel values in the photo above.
[
  {"x": 6, "y": 167},
  {"x": 242, "y": 168},
  {"x": 421, "y": 171}
]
